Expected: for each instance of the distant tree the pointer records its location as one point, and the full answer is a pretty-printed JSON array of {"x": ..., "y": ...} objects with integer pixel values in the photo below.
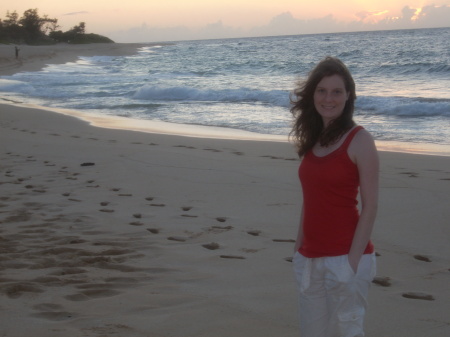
[
  {"x": 80, "y": 29},
  {"x": 33, "y": 25},
  {"x": 2, "y": 32},
  {"x": 11, "y": 29},
  {"x": 51, "y": 26},
  {"x": 12, "y": 19},
  {"x": 31, "y": 28},
  {"x": 77, "y": 35}
]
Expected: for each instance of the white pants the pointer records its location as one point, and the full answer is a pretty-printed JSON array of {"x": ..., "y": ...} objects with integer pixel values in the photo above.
[{"x": 332, "y": 297}]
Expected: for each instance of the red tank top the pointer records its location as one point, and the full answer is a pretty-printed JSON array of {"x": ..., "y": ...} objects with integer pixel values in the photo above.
[{"x": 330, "y": 214}]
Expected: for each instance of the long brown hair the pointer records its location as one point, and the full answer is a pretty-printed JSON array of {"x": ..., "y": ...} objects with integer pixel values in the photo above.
[{"x": 308, "y": 128}]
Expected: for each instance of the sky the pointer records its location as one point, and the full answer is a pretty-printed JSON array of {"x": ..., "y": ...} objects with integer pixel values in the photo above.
[{"x": 172, "y": 20}]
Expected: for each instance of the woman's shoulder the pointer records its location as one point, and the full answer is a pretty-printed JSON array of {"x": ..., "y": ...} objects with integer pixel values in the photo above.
[
  {"x": 362, "y": 145},
  {"x": 363, "y": 136}
]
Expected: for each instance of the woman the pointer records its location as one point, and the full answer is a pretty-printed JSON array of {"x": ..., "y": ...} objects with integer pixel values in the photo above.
[{"x": 334, "y": 259}]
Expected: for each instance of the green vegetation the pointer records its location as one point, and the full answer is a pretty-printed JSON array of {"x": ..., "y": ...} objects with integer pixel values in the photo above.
[{"x": 36, "y": 30}]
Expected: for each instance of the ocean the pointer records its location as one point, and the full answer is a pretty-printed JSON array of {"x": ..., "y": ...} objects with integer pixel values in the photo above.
[{"x": 402, "y": 81}]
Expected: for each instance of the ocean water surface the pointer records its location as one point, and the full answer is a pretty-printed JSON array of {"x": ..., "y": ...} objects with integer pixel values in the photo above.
[{"x": 402, "y": 80}]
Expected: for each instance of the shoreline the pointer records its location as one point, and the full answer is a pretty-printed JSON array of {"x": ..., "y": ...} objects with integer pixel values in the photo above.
[
  {"x": 35, "y": 58},
  {"x": 200, "y": 131}
]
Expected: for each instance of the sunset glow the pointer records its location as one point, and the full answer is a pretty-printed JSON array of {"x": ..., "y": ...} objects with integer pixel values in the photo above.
[
  {"x": 416, "y": 14},
  {"x": 156, "y": 19}
]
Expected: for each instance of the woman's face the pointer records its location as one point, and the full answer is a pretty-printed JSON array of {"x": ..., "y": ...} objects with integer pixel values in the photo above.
[{"x": 330, "y": 97}]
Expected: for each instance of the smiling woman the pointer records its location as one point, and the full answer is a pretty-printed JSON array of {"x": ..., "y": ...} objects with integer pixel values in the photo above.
[
  {"x": 330, "y": 98},
  {"x": 334, "y": 259}
]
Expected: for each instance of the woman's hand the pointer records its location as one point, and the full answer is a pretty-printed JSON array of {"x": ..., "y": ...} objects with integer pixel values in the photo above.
[{"x": 354, "y": 262}]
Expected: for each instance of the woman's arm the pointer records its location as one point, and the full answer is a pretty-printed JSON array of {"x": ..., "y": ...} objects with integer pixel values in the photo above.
[
  {"x": 298, "y": 241},
  {"x": 364, "y": 153}
]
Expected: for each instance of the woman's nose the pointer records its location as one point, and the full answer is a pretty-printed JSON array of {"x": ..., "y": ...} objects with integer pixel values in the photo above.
[{"x": 328, "y": 96}]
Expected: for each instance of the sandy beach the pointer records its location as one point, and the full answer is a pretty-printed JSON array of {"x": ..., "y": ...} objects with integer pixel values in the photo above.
[
  {"x": 108, "y": 232},
  {"x": 34, "y": 58}
]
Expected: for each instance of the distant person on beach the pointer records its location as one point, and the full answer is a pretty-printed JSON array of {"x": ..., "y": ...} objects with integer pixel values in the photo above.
[
  {"x": 334, "y": 260},
  {"x": 17, "y": 52}
]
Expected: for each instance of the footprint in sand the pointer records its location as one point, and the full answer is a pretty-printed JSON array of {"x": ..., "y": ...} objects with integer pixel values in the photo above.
[
  {"x": 250, "y": 250},
  {"x": 422, "y": 258},
  {"x": 418, "y": 296},
  {"x": 211, "y": 246},
  {"x": 153, "y": 230},
  {"x": 220, "y": 229},
  {"x": 221, "y": 219},
  {"x": 52, "y": 312},
  {"x": 187, "y": 147},
  {"x": 271, "y": 157},
  {"x": 383, "y": 281},
  {"x": 254, "y": 232},
  {"x": 136, "y": 223},
  {"x": 237, "y": 257},
  {"x": 92, "y": 294},
  {"x": 17, "y": 289},
  {"x": 187, "y": 209},
  {"x": 137, "y": 215},
  {"x": 55, "y": 315},
  {"x": 411, "y": 174},
  {"x": 212, "y": 150},
  {"x": 177, "y": 238},
  {"x": 39, "y": 191},
  {"x": 284, "y": 240},
  {"x": 47, "y": 307}
]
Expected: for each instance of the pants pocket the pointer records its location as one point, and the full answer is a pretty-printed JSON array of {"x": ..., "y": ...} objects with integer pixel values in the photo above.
[
  {"x": 367, "y": 267},
  {"x": 338, "y": 270},
  {"x": 302, "y": 271},
  {"x": 350, "y": 323}
]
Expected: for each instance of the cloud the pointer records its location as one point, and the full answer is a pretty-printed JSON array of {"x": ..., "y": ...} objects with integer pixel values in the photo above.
[
  {"x": 370, "y": 14},
  {"x": 75, "y": 13},
  {"x": 144, "y": 33},
  {"x": 286, "y": 24},
  {"x": 426, "y": 17}
]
